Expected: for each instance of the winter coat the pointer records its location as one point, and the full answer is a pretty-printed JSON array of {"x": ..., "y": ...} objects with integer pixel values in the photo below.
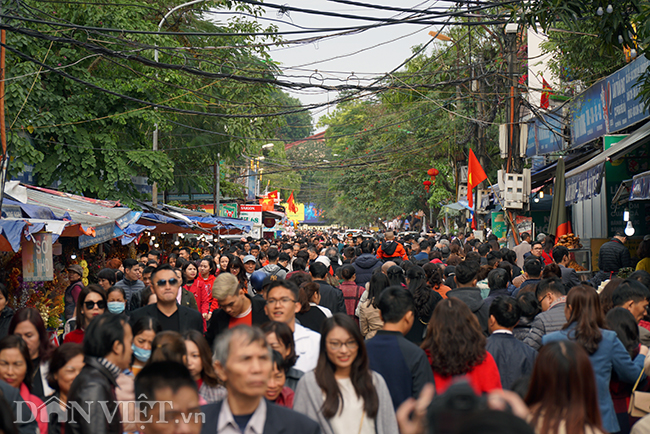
[
  {"x": 613, "y": 256},
  {"x": 472, "y": 298},
  {"x": 364, "y": 266}
]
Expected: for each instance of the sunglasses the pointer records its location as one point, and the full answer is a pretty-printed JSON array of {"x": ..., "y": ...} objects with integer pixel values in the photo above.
[
  {"x": 162, "y": 282},
  {"x": 101, "y": 304}
]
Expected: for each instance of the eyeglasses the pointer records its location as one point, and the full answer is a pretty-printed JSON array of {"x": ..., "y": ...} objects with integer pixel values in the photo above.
[
  {"x": 162, "y": 282},
  {"x": 336, "y": 345},
  {"x": 283, "y": 301},
  {"x": 542, "y": 299},
  {"x": 101, "y": 304}
]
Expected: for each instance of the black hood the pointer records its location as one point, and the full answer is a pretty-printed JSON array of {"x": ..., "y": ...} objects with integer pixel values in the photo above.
[{"x": 389, "y": 247}]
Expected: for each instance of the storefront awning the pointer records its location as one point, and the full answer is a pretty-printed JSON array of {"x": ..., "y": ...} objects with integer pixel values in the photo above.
[
  {"x": 584, "y": 181},
  {"x": 13, "y": 230},
  {"x": 640, "y": 187}
]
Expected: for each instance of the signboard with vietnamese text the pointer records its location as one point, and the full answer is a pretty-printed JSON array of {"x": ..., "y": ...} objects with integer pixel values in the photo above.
[
  {"x": 103, "y": 233},
  {"x": 251, "y": 213},
  {"x": 37, "y": 259}
]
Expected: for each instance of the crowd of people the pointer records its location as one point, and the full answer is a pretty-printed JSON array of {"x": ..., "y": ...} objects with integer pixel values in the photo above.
[{"x": 336, "y": 335}]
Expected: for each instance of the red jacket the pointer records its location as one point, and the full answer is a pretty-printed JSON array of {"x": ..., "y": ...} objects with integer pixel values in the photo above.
[
  {"x": 351, "y": 294},
  {"x": 483, "y": 378}
]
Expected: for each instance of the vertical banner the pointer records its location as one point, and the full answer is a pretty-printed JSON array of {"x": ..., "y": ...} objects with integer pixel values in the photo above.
[
  {"x": 499, "y": 227},
  {"x": 37, "y": 259}
]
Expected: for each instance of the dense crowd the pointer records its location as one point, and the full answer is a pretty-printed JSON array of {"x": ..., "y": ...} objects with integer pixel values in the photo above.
[{"x": 324, "y": 333}]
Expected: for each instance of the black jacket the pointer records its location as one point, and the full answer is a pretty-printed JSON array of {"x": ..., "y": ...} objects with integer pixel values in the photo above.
[
  {"x": 472, "y": 298},
  {"x": 220, "y": 319},
  {"x": 514, "y": 358},
  {"x": 613, "y": 256},
  {"x": 364, "y": 266},
  {"x": 279, "y": 420},
  {"x": 331, "y": 298},
  {"x": 13, "y": 398},
  {"x": 94, "y": 391},
  {"x": 5, "y": 318},
  {"x": 403, "y": 365},
  {"x": 312, "y": 319},
  {"x": 189, "y": 319}
]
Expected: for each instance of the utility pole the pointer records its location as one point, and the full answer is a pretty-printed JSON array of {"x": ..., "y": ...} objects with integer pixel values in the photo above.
[
  {"x": 217, "y": 182},
  {"x": 513, "y": 110}
]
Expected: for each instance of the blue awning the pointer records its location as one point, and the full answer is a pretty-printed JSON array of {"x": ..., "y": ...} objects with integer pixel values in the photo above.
[
  {"x": 224, "y": 222},
  {"x": 640, "y": 187},
  {"x": 12, "y": 231},
  {"x": 15, "y": 209}
]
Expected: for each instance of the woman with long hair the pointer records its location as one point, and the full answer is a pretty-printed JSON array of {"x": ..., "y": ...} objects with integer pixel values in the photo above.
[
  {"x": 236, "y": 268},
  {"x": 17, "y": 370},
  {"x": 310, "y": 315},
  {"x": 67, "y": 362},
  {"x": 280, "y": 338},
  {"x": 28, "y": 324},
  {"x": 90, "y": 303},
  {"x": 144, "y": 332},
  {"x": 585, "y": 325},
  {"x": 199, "y": 363},
  {"x": 436, "y": 280},
  {"x": 369, "y": 315},
  {"x": 342, "y": 394},
  {"x": 203, "y": 285},
  {"x": 621, "y": 321},
  {"x": 562, "y": 394},
  {"x": 395, "y": 276},
  {"x": 425, "y": 302},
  {"x": 455, "y": 345}
]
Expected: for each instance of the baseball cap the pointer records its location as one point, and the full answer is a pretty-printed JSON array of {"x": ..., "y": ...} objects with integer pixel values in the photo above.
[{"x": 249, "y": 258}]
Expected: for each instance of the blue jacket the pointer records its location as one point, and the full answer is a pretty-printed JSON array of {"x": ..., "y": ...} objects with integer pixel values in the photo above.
[
  {"x": 514, "y": 358},
  {"x": 364, "y": 266},
  {"x": 610, "y": 355}
]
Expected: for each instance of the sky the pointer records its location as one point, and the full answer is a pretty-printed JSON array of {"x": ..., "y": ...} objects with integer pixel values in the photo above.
[{"x": 352, "y": 59}]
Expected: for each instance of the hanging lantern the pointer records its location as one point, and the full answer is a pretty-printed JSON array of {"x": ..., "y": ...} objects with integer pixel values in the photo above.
[
  {"x": 427, "y": 185},
  {"x": 433, "y": 172}
]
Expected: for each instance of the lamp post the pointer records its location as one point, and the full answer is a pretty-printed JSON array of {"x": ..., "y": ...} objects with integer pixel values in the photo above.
[{"x": 154, "y": 187}]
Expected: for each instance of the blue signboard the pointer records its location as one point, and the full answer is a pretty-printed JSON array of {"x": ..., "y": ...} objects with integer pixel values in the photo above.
[
  {"x": 545, "y": 135},
  {"x": 584, "y": 185},
  {"x": 609, "y": 105},
  {"x": 103, "y": 233}
]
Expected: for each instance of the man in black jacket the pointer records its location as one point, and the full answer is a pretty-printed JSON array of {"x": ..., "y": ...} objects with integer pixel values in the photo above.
[
  {"x": 166, "y": 310},
  {"x": 330, "y": 297},
  {"x": 514, "y": 359},
  {"x": 613, "y": 256},
  {"x": 403, "y": 364},
  {"x": 245, "y": 409},
  {"x": 92, "y": 402},
  {"x": 235, "y": 307},
  {"x": 467, "y": 292},
  {"x": 366, "y": 264}
]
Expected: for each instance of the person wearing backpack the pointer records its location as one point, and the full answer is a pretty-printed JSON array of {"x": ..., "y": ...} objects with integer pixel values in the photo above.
[{"x": 351, "y": 291}]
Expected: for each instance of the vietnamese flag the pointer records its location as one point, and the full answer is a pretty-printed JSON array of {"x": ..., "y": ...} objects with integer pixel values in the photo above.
[
  {"x": 475, "y": 175},
  {"x": 292, "y": 204},
  {"x": 546, "y": 92},
  {"x": 273, "y": 195}
]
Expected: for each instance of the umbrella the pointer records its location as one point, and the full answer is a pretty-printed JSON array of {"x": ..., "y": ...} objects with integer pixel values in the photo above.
[{"x": 558, "y": 223}]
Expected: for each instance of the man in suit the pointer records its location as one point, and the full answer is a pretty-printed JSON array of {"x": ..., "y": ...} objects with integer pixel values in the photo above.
[
  {"x": 569, "y": 276},
  {"x": 514, "y": 359},
  {"x": 242, "y": 360},
  {"x": 330, "y": 297},
  {"x": 171, "y": 316},
  {"x": 165, "y": 389},
  {"x": 235, "y": 307}
]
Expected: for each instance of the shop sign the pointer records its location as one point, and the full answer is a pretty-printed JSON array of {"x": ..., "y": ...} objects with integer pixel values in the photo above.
[
  {"x": 37, "y": 258},
  {"x": 251, "y": 213},
  {"x": 610, "y": 105},
  {"x": 103, "y": 233},
  {"x": 228, "y": 210}
]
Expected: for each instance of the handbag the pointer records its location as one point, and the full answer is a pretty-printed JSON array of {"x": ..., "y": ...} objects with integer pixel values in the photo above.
[{"x": 639, "y": 401}]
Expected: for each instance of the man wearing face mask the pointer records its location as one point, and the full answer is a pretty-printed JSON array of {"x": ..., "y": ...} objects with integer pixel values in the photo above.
[{"x": 166, "y": 310}]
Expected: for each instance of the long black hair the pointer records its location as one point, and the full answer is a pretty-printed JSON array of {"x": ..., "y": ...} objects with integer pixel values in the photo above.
[
  {"x": 360, "y": 374},
  {"x": 425, "y": 299}
]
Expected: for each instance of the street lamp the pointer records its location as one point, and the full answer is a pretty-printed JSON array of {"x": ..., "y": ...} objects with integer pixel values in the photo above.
[{"x": 154, "y": 187}]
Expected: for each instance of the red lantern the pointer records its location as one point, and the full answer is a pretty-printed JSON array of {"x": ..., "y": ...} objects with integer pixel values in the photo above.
[
  {"x": 433, "y": 172},
  {"x": 427, "y": 185}
]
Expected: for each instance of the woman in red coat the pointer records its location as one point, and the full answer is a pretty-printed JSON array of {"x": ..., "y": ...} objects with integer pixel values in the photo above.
[{"x": 456, "y": 348}]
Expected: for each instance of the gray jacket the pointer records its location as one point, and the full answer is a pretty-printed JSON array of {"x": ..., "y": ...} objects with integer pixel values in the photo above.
[
  {"x": 546, "y": 322},
  {"x": 309, "y": 400}
]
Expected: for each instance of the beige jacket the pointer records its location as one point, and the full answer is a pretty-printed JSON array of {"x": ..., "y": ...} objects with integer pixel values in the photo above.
[{"x": 369, "y": 319}]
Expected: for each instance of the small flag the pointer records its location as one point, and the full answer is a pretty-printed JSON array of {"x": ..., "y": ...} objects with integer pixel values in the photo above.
[
  {"x": 292, "y": 204},
  {"x": 475, "y": 175},
  {"x": 546, "y": 93}
]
